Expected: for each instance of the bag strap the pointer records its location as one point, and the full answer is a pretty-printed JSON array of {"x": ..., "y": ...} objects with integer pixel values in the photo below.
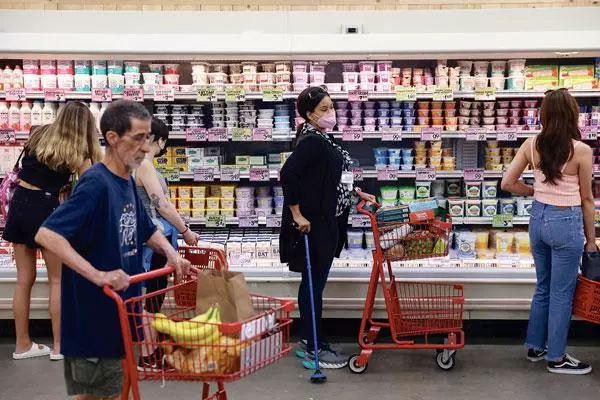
[{"x": 16, "y": 166}]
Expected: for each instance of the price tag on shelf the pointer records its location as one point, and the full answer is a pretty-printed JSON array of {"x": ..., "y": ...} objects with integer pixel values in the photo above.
[
  {"x": 230, "y": 174},
  {"x": 474, "y": 174},
  {"x": 215, "y": 221},
  {"x": 204, "y": 174},
  {"x": 358, "y": 95},
  {"x": 406, "y": 93},
  {"x": 164, "y": 93},
  {"x": 133, "y": 94},
  {"x": 443, "y": 94},
  {"x": 476, "y": 134},
  {"x": 54, "y": 95},
  {"x": 352, "y": 134},
  {"x": 7, "y": 136},
  {"x": 502, "y": 221},
  {"x": 273, "y": 221},
  {"x": 389, "y": 134},
  {"x": 387, "y": 174},
  {"x": 259, "y": 174},
  {"x": 195, "y": 135},
  {"x": 507, "y": 134},
  {"x": 272, "y": 94},
  {"x": 101, "y": 95},
  {"x": 431, "y": 134},
  {"x": 589, "y": 133},
  {"x": 15, "y": 94},
  {"x": 425, "y": 174},
  {"x": 358, "y": 174},
  {"x": 171, "y": 174},
  {"x": 235, "y": 94},
  {"x": 205, "y": 94},
  {"x": 217, "y": 135},
  {"x": 262, "y": 135},
  {"x": 485, "y": 94},
  {"x": 248, "y": 221},
  {"x": 360, "y": 221},
  {"x": 596, "y": 168},
  {"x": 241, "y": 134}
]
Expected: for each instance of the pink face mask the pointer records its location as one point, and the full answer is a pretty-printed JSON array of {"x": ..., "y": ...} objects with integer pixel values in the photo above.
[{"x": 327, "y": 121}]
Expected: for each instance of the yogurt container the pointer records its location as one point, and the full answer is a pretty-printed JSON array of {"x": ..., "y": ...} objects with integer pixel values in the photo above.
[
  {"x": 456, "y": 207},
  {"x": 524, "y": 207},
  {"x": 480, "y": 68},
  {"x": 507, "y": 206},
  {"x": 489, "y": 207},
  {"x": 473, "y": 190},
  {"x": 473, "y": 208}
]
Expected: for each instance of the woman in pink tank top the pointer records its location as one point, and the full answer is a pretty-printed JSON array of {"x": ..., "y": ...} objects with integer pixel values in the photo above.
[{"x": 561, "y": 226}]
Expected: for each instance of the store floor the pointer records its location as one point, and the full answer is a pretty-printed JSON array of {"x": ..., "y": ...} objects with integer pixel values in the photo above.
[{"x": 489, "y": 372}]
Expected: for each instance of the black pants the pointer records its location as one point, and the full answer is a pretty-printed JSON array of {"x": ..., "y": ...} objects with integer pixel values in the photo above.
[
  {"x": 154, "y": 303},
  {"x": 319, "y": 278}
]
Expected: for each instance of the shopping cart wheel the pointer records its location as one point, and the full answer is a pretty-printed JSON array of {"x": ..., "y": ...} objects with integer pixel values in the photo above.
[
  {"x": 446, "y": 359},
  {"x": 353, "y": 365}
]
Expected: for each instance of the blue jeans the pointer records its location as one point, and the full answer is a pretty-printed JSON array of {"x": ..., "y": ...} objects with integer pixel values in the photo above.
[{"x": 557, "y": 242}]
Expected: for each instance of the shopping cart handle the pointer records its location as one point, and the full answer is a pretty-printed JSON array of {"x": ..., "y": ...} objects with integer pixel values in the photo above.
[
  {"x": 361, "y": 207},
  {"x": 144, "y": 276}
]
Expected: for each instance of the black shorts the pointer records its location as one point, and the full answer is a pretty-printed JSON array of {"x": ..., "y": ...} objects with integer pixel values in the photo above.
[{"x": 28, "y": 209}]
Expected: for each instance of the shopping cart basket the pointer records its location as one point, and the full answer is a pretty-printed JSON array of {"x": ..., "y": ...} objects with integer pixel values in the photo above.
[
  {"x": 201, "y": 349},
  {"x": 419, "y": 315}
]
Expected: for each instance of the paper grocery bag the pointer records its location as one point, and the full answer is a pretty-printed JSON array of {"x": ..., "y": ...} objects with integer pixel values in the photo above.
[{"x": 229, "y": 290}]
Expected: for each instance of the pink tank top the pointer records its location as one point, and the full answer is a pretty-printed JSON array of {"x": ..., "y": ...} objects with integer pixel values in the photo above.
[{"x": 564, "y": 193}]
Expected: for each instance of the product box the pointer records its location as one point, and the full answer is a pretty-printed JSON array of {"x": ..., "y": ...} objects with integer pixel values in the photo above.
[
  {"x": 212, "y": 151},
  {"x": 164, "y": 162},
  {"x": 538, "y": 71},
  {"x": 579, "y": 83},
  {"x": 198, "y": 192},
  {"x": 569, "y": 71},
  {"x": 213, "y": 202},
  {"x": 257, "y": 160},
  {"x": 540, "y": 84},
  {"x": 180, "y": 162},
  {"x": 198, "y": 203},
  {"x": 210, "y": 161},
  {"x": 194, "y": 162},
  {"x": 184, "y": 192},
  {"x": 274, "y": 158},
  {"x": 284, "y": 157},
  {"x": 421, "y": 205},
  {"x": 228, "y": 191},
  {"x": 194, "y": 152}
]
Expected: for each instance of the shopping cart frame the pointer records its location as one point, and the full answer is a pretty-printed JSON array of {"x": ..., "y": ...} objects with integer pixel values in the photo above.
[{"x": 451, "y": 294}]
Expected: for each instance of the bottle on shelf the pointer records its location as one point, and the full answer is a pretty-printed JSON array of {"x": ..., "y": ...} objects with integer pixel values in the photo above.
[
  {"x": 3, "y": 115},
  {"x": 25, "y": 116},
  {"x": 36, "y": 113},
  {"x": 48, "y": 114},
  {"x": 14, "y": 116},
  {"x": 17, "y": 77},
  {"x": 7, "y": 77}
]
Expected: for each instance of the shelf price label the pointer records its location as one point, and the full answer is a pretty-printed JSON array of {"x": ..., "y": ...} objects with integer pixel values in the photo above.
[
  {"x": 230, "y": 174},
  {"x": 431, "y": 134},
  {"x": 235, "y": 94},
  {"x": 502, "y": 221},
  {"x": 596, "y": 168},
  {"x": 404, "y": 93},
  {"x": 507, "y": 134},
  {"x": 248, "y": 221},
  {"x": 241, "y": 134},
  {"x": 387, "y": 174},
  {"x": 259, "y": 174},
  {"x": 164, "y": 93},
  {"x": 474, "y": 174},
  {"x": 273, "y": 221},
  {"x": 425, "y": 174},
  {"x": 215, "y": 221},
  {"x": 101, "y": 95},
  {"x": 361, "y": 221},
  {"x": 352, "y": 134},
  {"x": 7, "y": 136},
  {"x": 389, "y": 134},
  {"x": 206, "y": 94},
  {"x": 272, "y": 94},
  {"x": 204, "y": 174},
  {"x": 358, "y": 95},
  {"x": 358, "y": 174},
  {"x": 133, "y": 94},
  {"x": 443, "y": 94},
  {"x": 54, "y": 95},
  {"x": 171, "y": 174},
  {"x": 16, "y": 94},
  {"x": 195, "y": 135},
  {"x": 262, "y": 135},
  {"x": 217, "y": 135},
  {"x": 589, "y": 133},
  {"x": 476, "y": 134},
  {"x": 485, "y": 94}
]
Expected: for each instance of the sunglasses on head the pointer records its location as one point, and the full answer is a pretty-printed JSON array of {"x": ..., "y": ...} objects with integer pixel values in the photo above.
[{"x": 555, "y": 90}]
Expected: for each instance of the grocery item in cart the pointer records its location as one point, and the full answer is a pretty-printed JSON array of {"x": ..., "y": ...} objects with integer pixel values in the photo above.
[
  {"x": 392, "y": 214},
  {"x": 392, "y": 237}
]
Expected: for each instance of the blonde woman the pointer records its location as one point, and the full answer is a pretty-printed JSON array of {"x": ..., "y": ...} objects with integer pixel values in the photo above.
[{"x": 52, "y": 155}]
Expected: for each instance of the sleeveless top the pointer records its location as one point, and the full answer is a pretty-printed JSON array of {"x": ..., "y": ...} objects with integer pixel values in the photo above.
[
  {"x": 564, "y": 193},
  {"x": 37, "y": 174},
  {"x": 147, "y": 202}
]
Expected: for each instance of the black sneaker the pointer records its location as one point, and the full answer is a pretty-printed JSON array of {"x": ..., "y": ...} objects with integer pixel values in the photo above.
[
  {"x": 534, "y": 355},
  {"x": 568, "y": 365}
]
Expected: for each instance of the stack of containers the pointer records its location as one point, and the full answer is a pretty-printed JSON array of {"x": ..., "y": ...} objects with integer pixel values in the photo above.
[
  {"x": 31, "y": 75},
  {"x": 394, "y": 158},
  {"x": 356, "y": 114},
  {"x": 516, "y": 75},
  {"x": 497, "y": 158},
  {"x": 264, "y": 200},
  {"x": 283, "y": 76},
  {"x": 422, "y": 78},
  {"x": 218, "y": 115},
  {"x": 200, "y": 72},
  {"x": 300, "y": 75},
  {"x": 196, "y": 117},
  {"x": 384, "y": 76},
  {"x": 498, "y": 77},
  {"x": 317, "y": 74},
  {"x": 367, "y": 75},
  {"x": 64, "y": 75},
  {"x": 383, "y": 113},
  {"x": 369, "y": 120},
  {"x": 116, "y": 80},
  {"x": 244, "y": 201},
  {"x": 265, "y": 118},
  {"x": 217, "y": 78},
  {"x": 83, "y": 81},
  {"x": 171, "y": 76},
  {"x": 433, "y": 156},
  {"x": 266, "y": 78},
  {"x": 541, "y": 77},
  {"x": 236, "y": 77},
  {"x": 282, "y": 117},
  {"x": 355, "y": 243},
  {"x": 446, "y": 77},
  {"x": 589, "y": 116},
  {"x": 48, "y": 74},
  {"x": 423, "y": 113},
  {"x": 466, "y": 80},
  {"x": 179, "y": 116},
  {"x": 154, "y": 77},
  {"x": 99, "y": 74},
  {"x": 247, "y": 115},
  {"x": 341, "y": 110},
  {"x": 231, "y": 115},
  {"x": 278, "y": 199},
  {"x": 578, "y": 77},
  {"x": 488, "y": 112},
  {"x": 396, "y": 114},
  {"x": 350, "y": 76}
]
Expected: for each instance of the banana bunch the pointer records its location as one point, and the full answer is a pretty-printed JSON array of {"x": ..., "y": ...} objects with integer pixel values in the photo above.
[{"x": 200, "y": 330}]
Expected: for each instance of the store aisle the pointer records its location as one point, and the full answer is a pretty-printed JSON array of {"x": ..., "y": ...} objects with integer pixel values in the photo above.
[{"x": 482, "y": 372}]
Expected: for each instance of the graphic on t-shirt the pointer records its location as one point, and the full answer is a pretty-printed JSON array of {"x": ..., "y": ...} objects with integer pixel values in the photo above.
[{"x": 127, "y": 226}]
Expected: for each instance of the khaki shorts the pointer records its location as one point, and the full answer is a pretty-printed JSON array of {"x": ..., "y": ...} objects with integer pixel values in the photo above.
[{"x": 99, "y": 377}]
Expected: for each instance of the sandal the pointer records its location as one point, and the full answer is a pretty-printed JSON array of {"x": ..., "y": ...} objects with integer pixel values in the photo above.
[
  {"x": 36, "y": 350},
  {"x": 56, "y": 357}
]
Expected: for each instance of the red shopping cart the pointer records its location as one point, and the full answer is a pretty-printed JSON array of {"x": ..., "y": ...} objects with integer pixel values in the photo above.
[
  {"x": 419, "y": 315},
  {"x": 197, "y": 348}
]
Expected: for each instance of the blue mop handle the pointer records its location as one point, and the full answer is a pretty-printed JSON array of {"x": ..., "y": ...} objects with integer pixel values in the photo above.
[{"x": 312, "y": 301}]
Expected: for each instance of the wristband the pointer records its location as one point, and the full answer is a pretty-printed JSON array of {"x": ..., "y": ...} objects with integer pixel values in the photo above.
[{"x": 187, "y": 228}]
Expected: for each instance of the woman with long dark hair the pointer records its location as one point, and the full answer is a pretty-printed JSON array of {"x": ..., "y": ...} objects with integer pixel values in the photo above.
[
  {"x": 317, "y": 203},
  {"x": 561, "y": 225}
]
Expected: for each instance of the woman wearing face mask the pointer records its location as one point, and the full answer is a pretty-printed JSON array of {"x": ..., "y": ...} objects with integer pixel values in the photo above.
[{"x": 317, "y": 186}]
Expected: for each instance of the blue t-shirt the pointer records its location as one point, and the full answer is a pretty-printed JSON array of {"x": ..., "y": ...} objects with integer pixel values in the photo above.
[{"x": 105, "y": 222}]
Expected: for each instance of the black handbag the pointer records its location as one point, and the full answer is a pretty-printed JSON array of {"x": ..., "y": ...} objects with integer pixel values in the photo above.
[{"x": 590, "y": 265}]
